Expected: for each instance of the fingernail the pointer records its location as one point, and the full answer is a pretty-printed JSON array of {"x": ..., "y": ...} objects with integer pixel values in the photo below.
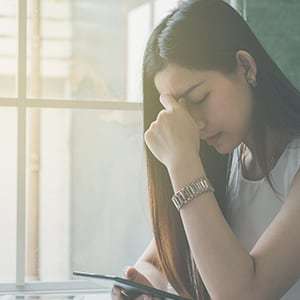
[
  {"x": 132, "y": 273},
  {"x": 125, "y": 270}
]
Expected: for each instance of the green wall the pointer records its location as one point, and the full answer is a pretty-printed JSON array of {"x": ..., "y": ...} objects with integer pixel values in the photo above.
[{"x": 277, "y": 25}]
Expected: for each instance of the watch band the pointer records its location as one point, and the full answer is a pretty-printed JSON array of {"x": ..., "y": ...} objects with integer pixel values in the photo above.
[{"x": 191, "y": 191}]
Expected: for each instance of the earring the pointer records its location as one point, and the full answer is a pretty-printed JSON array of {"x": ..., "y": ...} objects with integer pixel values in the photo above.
[{"x": 252, "y": 82}]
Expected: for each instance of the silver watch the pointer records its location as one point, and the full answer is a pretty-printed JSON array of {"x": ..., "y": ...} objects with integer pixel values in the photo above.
[{"x": 191, "y": 191}]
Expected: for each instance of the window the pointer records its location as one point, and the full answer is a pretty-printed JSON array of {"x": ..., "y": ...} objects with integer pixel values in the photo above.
[
  {"x": 8, "y": 135},
  {"x": 71, "y": 113},
  {"x": 72, "y": 116}
]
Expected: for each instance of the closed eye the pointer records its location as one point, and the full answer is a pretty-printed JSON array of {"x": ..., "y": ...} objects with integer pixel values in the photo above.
[{"x": 200, "y": 101}]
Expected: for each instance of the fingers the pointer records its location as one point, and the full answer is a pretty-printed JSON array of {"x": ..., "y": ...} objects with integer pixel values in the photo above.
[
  {"x": 133, "y": 274},
  {"x": 119, "y": 294},
  {"x": 116, "y": 294}
]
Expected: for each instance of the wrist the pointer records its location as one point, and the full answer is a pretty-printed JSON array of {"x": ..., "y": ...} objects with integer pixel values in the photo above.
[
  {"x": 185, "y": 171},
  {"x": 184, "y": 161}
]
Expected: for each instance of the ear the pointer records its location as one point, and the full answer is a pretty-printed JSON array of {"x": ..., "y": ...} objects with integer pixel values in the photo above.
[{"x": 246, "y": 64}]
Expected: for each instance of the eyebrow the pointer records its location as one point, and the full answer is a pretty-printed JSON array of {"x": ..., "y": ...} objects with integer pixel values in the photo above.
[{"x": 189, "y": 90}]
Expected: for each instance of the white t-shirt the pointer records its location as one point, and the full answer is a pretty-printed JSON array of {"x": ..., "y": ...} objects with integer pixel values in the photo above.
[{"x": 253, "y": 204}]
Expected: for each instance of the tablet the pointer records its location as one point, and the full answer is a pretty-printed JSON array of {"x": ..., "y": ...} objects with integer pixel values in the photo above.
[{"x": 130, "y": 288}]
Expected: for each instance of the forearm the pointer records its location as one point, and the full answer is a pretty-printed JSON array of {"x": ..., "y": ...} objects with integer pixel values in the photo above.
[
  {"x": 226, "y": 268},
  {"x": 153, "y": 274}
]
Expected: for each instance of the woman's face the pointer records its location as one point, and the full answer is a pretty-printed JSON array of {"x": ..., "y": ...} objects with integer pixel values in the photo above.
[{"x": 222, "y": 104}]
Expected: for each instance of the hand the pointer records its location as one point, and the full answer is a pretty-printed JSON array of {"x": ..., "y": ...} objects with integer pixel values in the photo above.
[
  {"x": 134, "y": 275},
  {"x": 174, "y": 135}
]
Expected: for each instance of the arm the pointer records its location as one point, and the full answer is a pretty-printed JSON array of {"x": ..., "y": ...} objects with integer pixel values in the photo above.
[
  {"x": 148, "y": 265},
  {"x": 227, "y": 269}
]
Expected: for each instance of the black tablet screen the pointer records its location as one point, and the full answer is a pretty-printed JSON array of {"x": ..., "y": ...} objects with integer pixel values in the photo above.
[{"x": 131, "y": 288}]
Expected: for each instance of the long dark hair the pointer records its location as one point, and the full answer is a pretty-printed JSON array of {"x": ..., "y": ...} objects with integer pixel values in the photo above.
[{"x": 205, "y": 35}]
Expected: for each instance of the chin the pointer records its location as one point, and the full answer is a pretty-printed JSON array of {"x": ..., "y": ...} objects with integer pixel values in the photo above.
[
  {"x": 221, "y": 150},
  {"x": 224, "y": 149}
]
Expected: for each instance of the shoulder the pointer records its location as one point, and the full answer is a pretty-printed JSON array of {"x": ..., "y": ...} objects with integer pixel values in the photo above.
[
  {"x": 294, "y": 144},
  {"x": 292, "y": 159},
  {"x": 295, "y": 186},
  {"x": 287, "y": 167}
]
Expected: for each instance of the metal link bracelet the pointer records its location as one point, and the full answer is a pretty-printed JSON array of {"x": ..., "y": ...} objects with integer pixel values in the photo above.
[{"x": 191, "y": 191}]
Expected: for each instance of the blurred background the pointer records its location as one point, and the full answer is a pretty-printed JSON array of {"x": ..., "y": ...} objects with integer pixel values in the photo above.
[{"x": 86, "y": 201}]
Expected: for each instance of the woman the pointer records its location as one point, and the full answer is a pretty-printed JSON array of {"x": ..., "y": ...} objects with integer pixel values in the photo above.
[{"x": 207, "y": 78}]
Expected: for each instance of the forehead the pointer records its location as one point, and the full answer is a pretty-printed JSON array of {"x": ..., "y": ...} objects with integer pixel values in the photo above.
[{"x": 175, "y": 79}]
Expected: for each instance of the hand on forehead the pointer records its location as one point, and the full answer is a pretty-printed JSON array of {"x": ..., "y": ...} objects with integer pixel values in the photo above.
[{"x": 169, "y": 102}]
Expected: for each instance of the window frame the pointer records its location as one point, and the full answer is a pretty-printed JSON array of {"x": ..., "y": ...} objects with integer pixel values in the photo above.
[{"x": 23, "y": 103}]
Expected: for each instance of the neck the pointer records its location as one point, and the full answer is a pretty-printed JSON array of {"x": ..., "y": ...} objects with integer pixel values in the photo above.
[{"x": 275, "y": 143}]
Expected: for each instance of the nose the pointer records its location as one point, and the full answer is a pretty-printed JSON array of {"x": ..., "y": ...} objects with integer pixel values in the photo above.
[{"x": 199, "y": 120}]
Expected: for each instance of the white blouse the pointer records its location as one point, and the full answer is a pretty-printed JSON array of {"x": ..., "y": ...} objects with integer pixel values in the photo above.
[{"x": 252, "y": 205}]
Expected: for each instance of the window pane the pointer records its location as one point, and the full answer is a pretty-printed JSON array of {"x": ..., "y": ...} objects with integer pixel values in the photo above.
[
  {"x": 139, "y": 27},
  {"x": 8, "y": 47},
  {"x": 80, "y": 49},
  {"x": 8, "y": 195},
  {"x": 92, "y": 192}
]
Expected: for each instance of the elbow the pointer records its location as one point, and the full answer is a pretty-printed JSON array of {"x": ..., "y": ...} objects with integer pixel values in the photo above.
[
  {"x": 248, "y": 290},
  {"x": 242, "y": 296},
  {"x": 237, "y": 294},
  {"x": 246, "y": 294}
]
